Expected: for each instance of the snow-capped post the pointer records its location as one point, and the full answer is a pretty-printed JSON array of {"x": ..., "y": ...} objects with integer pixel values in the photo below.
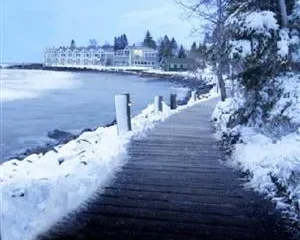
[
  {"x": 123, "y": 104},
  {"x": 173, "y": 101},
  {"x": 194, "y": 96},
  {"x": 158, "y": 107}
]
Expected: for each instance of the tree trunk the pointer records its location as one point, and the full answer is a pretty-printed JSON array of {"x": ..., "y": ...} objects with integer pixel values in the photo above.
[
  {"x": 220, "y": 40},
  {"x": 283, "y": 13},
  {"x": 221, "y": 83}
]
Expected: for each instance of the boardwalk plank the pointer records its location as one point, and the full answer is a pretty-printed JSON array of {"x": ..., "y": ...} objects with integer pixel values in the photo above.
[{"x": 174, "y": 186}]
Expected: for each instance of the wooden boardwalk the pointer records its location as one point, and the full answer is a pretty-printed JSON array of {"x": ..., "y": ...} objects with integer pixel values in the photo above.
[{"x": 174, "y": 186}]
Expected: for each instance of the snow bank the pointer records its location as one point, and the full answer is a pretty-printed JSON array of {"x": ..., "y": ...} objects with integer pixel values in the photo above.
[
  {"x": 38, "y": 191},
  {"x": 272, "y": 161},
  {"x": 207, "y": 74},
  {"x": 274, "y": 166}
]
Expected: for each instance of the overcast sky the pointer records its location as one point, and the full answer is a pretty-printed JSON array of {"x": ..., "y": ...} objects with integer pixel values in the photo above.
[{"x": 29, "y": 26}]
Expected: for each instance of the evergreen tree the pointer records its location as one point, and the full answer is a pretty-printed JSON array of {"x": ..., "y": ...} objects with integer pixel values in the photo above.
[
  {"x": 173, "y": 47},
  {"x": 202, "y": 50},
  {"x": 165, "y": 50},
  {"x": 244, "y": 35},
  {"x": 194, "y": 47},
  {"x": 181, "y": 52},
  {"x": 120, "y": 42},
  {"x": 148, "y": 41},
  {"x": 124, "y": 41},
  {"x": 261, "y": 52},
  {"x": 93, "y": 43},
  {"x": 73, "y": 44},
  {"x": 116, "y": 43}
]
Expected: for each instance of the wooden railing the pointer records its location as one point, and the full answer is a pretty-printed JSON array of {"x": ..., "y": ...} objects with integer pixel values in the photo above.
[{"x": 123, "y": 108}]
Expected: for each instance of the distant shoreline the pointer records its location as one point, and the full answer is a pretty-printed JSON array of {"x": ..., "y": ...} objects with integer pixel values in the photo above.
[{"x": 184, "y": 80}]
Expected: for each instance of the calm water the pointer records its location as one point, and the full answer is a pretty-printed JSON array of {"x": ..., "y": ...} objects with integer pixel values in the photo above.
[{"x": 34, "y": 102}]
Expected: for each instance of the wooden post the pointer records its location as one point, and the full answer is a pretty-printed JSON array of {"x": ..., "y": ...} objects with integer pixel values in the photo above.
[
  {"x": 122, "y": 104},
  {"x": 158, "y": 104},
  {"x": 173, "y": 101},
  {"x": 189, "y": 95},
  {"x": 194, "y": 96}
]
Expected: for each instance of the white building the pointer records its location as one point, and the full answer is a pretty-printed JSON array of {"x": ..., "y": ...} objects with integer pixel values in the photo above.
[{"x": 97, "y": 56}]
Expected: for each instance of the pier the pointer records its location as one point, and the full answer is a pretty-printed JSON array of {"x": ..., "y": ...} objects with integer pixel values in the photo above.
[{"x": 175, "y": 185}]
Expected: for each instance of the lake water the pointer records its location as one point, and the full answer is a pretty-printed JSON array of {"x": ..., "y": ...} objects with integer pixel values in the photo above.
[{"x": 35, "y": 102}]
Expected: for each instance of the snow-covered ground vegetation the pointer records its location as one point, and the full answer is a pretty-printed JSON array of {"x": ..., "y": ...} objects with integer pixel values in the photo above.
[
  {"x": 268, "y": 150},
  {"x": 260, "y": 121},
  {"x": 207, "y": 74},
  {"x": 39, "y": 190}
]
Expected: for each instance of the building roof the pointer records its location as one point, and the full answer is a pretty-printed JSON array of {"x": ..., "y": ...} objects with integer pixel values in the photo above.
[{"x": 104, "y": 48}]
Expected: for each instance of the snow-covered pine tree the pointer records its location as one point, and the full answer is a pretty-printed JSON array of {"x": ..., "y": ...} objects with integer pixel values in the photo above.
[
  {"x": 294, "y": 23},
  {"x": 263, "y": 38}
]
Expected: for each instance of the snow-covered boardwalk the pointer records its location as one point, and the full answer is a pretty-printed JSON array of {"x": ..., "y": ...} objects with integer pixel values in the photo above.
[{"x": 174, "y": 186}]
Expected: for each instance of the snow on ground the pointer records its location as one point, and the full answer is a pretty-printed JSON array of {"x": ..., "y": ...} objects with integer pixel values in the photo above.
[
  {"x": 37, "y": 191},
  {"x": 273, "y": 162},
  {"x": 203, "y": 74},
  {"x": 105, "y": 68}
]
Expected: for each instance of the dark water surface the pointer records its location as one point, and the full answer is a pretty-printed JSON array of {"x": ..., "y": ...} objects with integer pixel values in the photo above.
[{"x": 35, "y": 102}]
